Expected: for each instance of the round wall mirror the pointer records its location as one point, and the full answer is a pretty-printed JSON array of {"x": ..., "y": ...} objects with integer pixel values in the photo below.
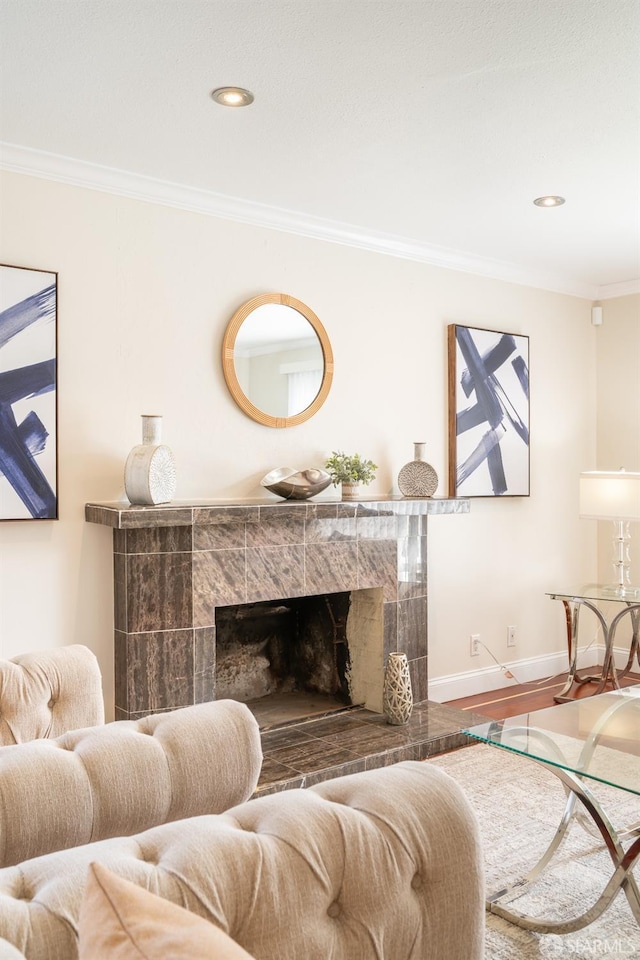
[{"x": 277, "y": 360}]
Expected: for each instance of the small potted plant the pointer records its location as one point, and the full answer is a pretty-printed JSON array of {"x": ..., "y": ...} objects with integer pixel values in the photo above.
[{"x": 350, "y": 471}]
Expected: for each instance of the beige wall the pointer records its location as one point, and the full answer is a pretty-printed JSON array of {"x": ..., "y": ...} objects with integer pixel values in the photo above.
[
  {"x": 145, "y": 293},
  {"x": 618, "y": 412}
]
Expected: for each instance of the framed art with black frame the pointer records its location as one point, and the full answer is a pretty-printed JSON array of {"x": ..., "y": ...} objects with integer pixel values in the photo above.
[
  {"x": 488, "y": 413},
  {"x": 28, "y": 394}
]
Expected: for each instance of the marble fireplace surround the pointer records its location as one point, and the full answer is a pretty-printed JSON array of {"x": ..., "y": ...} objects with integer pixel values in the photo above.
[{"x": 175, "y": 564}]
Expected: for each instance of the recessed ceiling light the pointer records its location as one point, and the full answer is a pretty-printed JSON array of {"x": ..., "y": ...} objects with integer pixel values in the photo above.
[
  {"x": 232, "y": 96},
  {"x": 549, "y": 201}
]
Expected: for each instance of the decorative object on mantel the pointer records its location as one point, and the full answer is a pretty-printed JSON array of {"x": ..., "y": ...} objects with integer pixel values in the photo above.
[
  {"x": 417, "y": 478},
  {"x": 150, "y": 470},
  {"x": 351, "y": 472},
  {"x": 296, "y": 484},
  {"x": 397, "y": 696}
]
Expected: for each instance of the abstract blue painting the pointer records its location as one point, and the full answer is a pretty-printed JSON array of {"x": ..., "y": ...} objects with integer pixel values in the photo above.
[
  {"x": 28, "y": 394},
  {"x": 488, "y": 413}
]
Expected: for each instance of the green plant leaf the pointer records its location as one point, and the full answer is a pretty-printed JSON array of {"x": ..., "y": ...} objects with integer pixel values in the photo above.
[{"x": 345, "y": 468}]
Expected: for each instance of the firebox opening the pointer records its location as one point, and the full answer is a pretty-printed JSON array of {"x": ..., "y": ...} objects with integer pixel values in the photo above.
[{"x": 295, "y": 658}]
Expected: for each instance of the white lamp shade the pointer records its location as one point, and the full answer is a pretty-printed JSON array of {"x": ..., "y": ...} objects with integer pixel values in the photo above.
[{"x": 613, "y": 495}]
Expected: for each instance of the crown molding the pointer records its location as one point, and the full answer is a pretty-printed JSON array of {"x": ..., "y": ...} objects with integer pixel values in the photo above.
[
  {"x": 624, "y": 289},
  {"x": 49, "y": 166}
]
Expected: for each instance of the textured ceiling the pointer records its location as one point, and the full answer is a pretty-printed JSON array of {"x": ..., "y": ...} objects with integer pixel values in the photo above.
[{"x": 429, "y": 123}]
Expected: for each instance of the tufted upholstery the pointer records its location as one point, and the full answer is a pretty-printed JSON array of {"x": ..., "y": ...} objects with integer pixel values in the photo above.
[
  {"x": 9, "y": 952},
  {"x": 382, "y": 865},
  {"x": 44, "y": 694},
  {"x": 126, "y": 776}
]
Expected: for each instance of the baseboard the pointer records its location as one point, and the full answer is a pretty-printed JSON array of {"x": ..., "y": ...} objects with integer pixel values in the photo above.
[{"x": 471, "y": 682}]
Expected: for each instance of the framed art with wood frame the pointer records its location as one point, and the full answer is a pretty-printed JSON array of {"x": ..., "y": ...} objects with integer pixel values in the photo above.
[
  {"x": 488, "y": 413},
  {"x": 28, "y": 394}
]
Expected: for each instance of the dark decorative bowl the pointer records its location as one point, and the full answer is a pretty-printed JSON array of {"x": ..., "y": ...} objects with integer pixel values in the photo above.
[{"x": 296, "y": 484}]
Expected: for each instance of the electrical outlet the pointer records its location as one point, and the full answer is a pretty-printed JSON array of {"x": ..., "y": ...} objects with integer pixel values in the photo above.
[
  {"x": 511, "y": 636},
  {"x": 474, "y": 649}
]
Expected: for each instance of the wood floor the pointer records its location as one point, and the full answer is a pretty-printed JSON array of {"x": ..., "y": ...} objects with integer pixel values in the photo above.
[{"x": 523, "y": 697}]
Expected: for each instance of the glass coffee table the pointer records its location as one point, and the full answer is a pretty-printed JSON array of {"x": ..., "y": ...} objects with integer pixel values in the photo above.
[{"x": 589, "y": 740}]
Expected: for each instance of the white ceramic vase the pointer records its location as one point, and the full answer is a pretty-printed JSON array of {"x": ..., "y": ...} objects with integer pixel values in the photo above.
[
  {"x": 417, "y": 478},
  {"x": 150, "y": 470},
  {"x": 397, "y": 695}
]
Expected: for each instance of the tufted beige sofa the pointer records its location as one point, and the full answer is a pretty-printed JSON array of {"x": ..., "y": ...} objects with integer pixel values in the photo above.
[
  {"x": 46, "y": 693},
  {"x": 123, "y": 777},
  {"x": 382, "y": 865}
]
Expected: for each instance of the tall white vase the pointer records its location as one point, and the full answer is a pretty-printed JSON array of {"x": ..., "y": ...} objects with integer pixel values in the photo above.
[
  {"x": 397, "y": 695},
  {"x": 150, "y": 470}
]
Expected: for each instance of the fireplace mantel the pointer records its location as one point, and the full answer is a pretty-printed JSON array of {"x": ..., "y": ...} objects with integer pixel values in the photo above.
[
  {"x": 122, "y": 515},
  {"x": 175, "y": 563}
]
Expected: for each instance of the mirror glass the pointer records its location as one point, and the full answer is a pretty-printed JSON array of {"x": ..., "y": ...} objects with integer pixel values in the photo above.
[{"x": 277, "y": 360}]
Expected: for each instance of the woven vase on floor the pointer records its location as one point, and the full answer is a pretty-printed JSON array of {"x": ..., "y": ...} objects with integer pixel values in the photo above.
[{"x": 397, "y": 696}]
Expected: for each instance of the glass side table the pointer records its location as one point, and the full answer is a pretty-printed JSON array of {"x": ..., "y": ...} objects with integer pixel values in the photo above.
[{"x": 590, "y": 596}]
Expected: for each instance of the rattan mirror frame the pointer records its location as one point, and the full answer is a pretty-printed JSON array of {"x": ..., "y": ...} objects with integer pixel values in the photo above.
[{"x": 228, "y": 365}]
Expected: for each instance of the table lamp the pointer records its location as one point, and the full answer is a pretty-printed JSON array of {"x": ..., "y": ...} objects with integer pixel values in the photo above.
[{"x": 613, "y": 495}]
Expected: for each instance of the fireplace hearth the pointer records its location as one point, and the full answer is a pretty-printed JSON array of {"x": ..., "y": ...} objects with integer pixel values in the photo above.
[{"x": 304, "y": 753}]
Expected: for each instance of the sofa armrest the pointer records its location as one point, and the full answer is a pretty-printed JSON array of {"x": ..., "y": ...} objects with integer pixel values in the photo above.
[
  {"x": 385, "y": 863},
  {"x": 46, "y": 693},
  {"x": 126, "y": 776}
]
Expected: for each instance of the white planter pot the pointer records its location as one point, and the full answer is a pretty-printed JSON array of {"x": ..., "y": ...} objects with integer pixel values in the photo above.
[{"x": 351, "y": 491}]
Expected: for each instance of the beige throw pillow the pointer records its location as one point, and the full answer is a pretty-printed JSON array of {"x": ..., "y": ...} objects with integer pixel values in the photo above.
[{"x": 123, "y": 921}]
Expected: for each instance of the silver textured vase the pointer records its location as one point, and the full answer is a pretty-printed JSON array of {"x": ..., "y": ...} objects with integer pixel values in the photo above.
[
  {"x": 397, "y": 696},
  {"x": 150, "y": 470},
  {"x": 417, "y": 478}
]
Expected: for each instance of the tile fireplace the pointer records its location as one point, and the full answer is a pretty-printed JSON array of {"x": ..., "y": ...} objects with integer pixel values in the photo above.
[{"x": 185, "y": 572}]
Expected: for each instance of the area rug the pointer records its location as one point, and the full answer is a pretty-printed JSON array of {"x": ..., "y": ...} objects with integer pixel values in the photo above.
[{"x": 519, "y": 804}]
